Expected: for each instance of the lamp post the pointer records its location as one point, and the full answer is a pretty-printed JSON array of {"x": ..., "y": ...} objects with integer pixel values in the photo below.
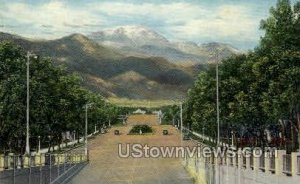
[
  {"x": 218, "y": 110},
  {"x": 181, "y": 123},
  {"x": 218, "y": 114},
  {"x": 29, "y": 54},
  {"x": 203, "y": 135},
  {"x": 49, "y": 138},
  {"x": 74, "y": 135},
  {"x": 39, "y": 146},
  {"x": 86, "y": 127},
  {"x": 232, "y": 138}
]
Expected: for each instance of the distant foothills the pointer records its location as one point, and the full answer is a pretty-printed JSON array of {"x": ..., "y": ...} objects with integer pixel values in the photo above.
[{"x": 129, "y": 62}]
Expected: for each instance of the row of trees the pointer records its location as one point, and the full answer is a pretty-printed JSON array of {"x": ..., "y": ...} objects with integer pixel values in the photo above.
[
  {"x": 259, "y": 91},
  {"x": 57, "y": 101}
]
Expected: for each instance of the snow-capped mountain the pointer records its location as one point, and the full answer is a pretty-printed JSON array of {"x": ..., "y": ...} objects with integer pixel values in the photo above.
[
  {"x": 141, "y": 41},
  {"x": 129, "y": 36}
]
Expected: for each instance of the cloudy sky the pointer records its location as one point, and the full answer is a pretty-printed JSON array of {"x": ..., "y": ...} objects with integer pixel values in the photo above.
[{"x": 230, "y": 21}]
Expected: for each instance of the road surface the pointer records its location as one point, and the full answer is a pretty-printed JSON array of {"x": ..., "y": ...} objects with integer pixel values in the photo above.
[{"x": 107, "y": 167}]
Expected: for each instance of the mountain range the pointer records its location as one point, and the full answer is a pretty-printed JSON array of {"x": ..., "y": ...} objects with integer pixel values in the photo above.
[
  {"x": 142, "y": 42},
  {"x": 131, "y": 62}
]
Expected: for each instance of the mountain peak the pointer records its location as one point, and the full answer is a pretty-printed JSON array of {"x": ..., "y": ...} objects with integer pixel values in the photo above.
[
  {"x": 78, "y": 37},
  {"x": 129, "y": 36},
  {"x": 143, "y": 42},
  {"x": 223, "y": 47}
]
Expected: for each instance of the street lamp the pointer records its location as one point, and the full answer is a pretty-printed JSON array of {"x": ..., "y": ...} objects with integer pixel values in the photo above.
[
  {"x": 217, "y": 51},
  {"x": 39, "y": 146},
  {"x": 218, "y": 117},
  {"x": 86, "y": 127},
  {"x": 181, "y": 122},
  {"x": 29, "y": 54},
  {"x": 232, "y": 138},
  {"x": 49, "y": 138},
  {"x": 74, "y": 135},
  {"x": 217, "y": 88},
  {"x": 203, "y": 134}
]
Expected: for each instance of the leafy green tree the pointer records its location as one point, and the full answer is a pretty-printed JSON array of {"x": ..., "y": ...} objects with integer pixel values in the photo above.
[{"x": 258, "y": 89}]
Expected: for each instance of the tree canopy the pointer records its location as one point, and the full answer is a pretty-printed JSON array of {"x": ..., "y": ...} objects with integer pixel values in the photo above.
[
  {"x": 57, "y": 101},
  {"x": 258, "y": 89}
]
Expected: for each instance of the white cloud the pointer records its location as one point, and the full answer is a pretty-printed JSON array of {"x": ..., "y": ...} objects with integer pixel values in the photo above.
[
  {"x": 225, "y": 21},
  {"x": 181, "y": 20},
  {"x": 172, "y": 12},
  {"x": 56, "y": 14},
  {"x": 190, "y": 20}
]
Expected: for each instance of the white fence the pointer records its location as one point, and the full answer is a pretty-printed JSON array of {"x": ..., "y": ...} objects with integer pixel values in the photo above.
[
  {"x": 40, "y": 168},
  {"x": 271, "y": 166}
]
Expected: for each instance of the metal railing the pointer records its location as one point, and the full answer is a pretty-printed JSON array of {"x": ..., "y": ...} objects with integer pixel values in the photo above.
[
  {"x": 41, "y": 168},
  {"x": 287, "y": 164}
]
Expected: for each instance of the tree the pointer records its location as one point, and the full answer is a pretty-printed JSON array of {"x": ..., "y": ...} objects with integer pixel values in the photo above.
[
  {"x": 257, "y": 89},
  {"x": 56, "y": 101}
]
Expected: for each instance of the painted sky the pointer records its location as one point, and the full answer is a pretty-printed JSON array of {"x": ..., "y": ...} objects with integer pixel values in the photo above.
[{"x": 230, "y": 21}]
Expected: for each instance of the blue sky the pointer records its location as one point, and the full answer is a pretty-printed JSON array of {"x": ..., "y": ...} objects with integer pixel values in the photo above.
[{"x": 230, "y": 21}]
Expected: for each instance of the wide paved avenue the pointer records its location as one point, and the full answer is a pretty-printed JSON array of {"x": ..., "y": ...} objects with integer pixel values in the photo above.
[{"x": 108, "y": 168}]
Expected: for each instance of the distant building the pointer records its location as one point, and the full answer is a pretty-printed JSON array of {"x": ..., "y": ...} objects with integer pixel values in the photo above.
[
  {"x": 159, "y": 115},
  {"x": 139, "y": 111}
]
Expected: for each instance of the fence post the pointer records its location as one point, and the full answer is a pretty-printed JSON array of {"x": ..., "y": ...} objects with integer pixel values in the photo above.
[
  {"x": 295, "y": 164},
  {"x": 26, "y": 161},
  {"x": 37, "y": 159},
  {"x": 10, "y": 160},
  {"x": 78, "y": 158},
  {"x": 40, "y": 168},
  {"x": 279, "y": 161},
  {"x": 229, "y": 160},
  {"x": 267, "y": 162},
  {"x": 248, "y": 158},
  {"x": 62, "y": 158},
  {"x": 256, "y": 160},
  {"x": 14, "y": 171},
  {"x": 1, "y": 162},
  {"x": 58, "y": 162},
  {"x": 240, "y": 159},
  {"x": 29, "y": 165},
  {"x": 64, "y": 162},
  {"x": 43, "y": 160},
  {"x": 50, "y": 167}
]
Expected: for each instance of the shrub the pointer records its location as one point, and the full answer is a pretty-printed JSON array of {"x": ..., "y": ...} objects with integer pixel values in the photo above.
[{"x": 144, "y": 128}]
